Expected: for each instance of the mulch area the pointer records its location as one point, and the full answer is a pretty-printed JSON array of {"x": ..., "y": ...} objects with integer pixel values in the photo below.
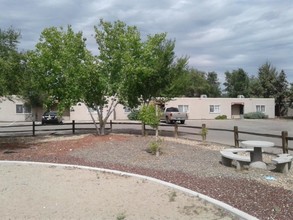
[{"x": 194, "y": 165}]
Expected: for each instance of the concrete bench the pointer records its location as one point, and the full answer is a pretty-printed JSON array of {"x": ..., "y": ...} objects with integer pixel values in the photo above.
[
  {"x": 283, "y": 163},
  {"x": 228, "y": 155}
]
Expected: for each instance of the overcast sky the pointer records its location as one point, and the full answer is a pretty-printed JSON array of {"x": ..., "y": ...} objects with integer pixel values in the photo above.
[{"x": 216, "y": 35}]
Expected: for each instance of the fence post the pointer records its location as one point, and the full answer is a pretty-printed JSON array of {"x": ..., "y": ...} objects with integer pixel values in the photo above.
[
  {"x": 111, "y": 125},
  {"x": 34, "y": 128},
  {"x": 236, "y": 136},
  {"x": 142, "y": 128},
  {"x": 285, "y": 142},
  {"x": 204, "y": 132},
  {"x": 73, "y": 126},
  {"x": 176, "y": 130}
]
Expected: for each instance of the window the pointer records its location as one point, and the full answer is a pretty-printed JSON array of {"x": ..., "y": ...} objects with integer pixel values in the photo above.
[
  {"x": 183, "y": 108},
  {"x": 23, "y": 109},
  {"x": 214, "y": 108},
  {"x": 260, "y": 108},
  {"x": 92, "y": 110},
  {"x": 127, "y": 109}
]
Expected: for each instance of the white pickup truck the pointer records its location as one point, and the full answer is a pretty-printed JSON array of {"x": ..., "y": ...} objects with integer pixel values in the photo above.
[{"x": 172, "y": 115}]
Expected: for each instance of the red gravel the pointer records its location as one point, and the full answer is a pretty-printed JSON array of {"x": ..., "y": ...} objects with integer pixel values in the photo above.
[{"x": 195, "y": 167}]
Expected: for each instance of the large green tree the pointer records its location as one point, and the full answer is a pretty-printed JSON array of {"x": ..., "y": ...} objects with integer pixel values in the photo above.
[
  {"x": 11, "y": 66},
  {"x": 55, "y": 67},
  {"x": 196, "y": 83},
  {"x": 237, "y": 83},
  {"x": 267, "y": 75},
  {"x": 282, "y": 92},
  {"x": 214, "y": 85},
  {"x": 255, "y": 89},
  {"x": 127, "y": 70},
  {"x": 134, "y": 71},
  {"x": 271, "y": 84}
]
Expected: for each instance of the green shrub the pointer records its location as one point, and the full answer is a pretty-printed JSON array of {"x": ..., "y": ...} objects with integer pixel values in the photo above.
[
  {"x": 155, "y": 147},
  {"x": 221, "y": 117},
  {"x": 255, "y": 115},
  {"x": 133, "y": 115},
  {"x": 149, "y": 116}
]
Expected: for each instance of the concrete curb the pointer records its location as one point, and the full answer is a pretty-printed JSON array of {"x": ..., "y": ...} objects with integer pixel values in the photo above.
[{"x": 231, "y": 209}]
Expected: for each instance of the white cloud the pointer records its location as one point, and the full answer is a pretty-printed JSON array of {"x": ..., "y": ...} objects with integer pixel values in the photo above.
[{"x": 216, "y": 35}]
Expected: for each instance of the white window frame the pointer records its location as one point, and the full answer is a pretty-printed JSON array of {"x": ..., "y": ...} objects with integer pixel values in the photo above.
[
  {"x": 214, "y": 109},
  {"x": 91, "y": 110},
  {"x": 183, "y": 108},
  {"x": 260, "y": 108},
  {"x": 127, "y": 110},
  {"x": 22, "y": 109}
]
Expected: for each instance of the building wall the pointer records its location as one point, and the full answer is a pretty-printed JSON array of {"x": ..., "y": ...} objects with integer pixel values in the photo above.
[
  {"x": 8, "y": 110},
  {"x": 199, "y": 108},
  {"x": 121, "y": 112},
  {"x": 80, "y": 112}
]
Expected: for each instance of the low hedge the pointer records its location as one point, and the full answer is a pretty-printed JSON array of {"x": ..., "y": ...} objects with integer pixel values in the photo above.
[
  {"x": 133, "y": 115},
  {"x": 255, "y": 115},
  {"x": 221, "y": 117}
]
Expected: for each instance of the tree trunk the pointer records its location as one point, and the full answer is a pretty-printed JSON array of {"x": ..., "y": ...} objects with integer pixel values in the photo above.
[
  {"x": 102, "y": 127},
  {"x": 94, "y": 121}
]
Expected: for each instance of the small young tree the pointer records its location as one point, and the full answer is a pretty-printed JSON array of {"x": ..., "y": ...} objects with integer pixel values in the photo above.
[{"x": 150, "y": 115}]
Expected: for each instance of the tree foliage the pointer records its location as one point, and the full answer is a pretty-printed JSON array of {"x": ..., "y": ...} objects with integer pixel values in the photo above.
[
  {"x": 274, "y": 85},
  {"x": 237, "y": 83},
  {"x": 150, "y": 115},
  {"x": 56, "y": 66},
  {"x": 11, "y": 66},
  {"x": 267, "y": 75},
  {"x": 127, "y": 70},
  {"x": 255, "y": 88},
  {"x": 199, "y": 82},
  {"x": 135, "y": 71},
  {"x": 214, "y": 85}
]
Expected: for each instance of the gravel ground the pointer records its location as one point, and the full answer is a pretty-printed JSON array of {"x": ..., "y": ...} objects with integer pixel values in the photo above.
[{"x": 191, "y": 164}]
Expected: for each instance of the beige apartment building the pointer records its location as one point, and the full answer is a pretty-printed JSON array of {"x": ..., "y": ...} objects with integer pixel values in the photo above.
[
  {"x": 233, "y": 108},
  {"x": 196, "y": 108},
  {"x": 14, "y": 109}
]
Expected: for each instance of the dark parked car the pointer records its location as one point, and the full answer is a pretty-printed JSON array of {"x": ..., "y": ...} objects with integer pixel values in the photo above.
[{"x": 51, "y": 118}]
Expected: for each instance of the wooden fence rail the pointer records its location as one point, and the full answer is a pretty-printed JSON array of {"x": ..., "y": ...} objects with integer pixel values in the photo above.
[
  {"x": 203, "y": 130},
  {"x": 283, "y": 136}
]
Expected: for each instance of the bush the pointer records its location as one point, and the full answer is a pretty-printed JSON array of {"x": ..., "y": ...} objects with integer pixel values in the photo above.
[
  {"x": 133, "y": 115},
  {"x": 155, "y": 147},
  {"x": 255, "y": 115},
  {"x": 149, "y": 116},
  {"x": 221, "y": 117}
]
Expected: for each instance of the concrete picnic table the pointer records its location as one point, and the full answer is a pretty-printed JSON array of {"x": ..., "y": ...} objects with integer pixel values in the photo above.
[{"x": 256, "y": 157}]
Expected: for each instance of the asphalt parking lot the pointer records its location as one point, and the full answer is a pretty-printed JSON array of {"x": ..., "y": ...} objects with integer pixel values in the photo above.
[{"x": 268, "y": 126}]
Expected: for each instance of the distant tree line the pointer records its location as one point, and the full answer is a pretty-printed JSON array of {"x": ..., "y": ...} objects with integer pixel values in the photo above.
[{"x": 62, "y": 70}]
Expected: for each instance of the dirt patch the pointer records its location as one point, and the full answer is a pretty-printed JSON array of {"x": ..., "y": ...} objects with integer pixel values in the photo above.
[
  {"x": 191, "y": 164},
  {"x": 52, "y": 192}
]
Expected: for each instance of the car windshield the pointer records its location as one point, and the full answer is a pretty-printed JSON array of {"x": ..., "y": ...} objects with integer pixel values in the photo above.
[
  {"x": 50, "y": 113},
  {"x": 172, "y": 110}
]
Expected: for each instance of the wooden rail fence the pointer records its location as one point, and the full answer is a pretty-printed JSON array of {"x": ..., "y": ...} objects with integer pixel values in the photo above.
[{"x": 203, "y": 130}]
